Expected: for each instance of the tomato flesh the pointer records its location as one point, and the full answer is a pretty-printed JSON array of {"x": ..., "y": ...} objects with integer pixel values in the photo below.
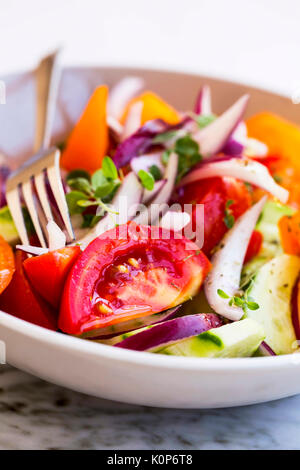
[
  {"x": 214, "y": 193},
  {"x": 22, "y": 301},
  {"x": 120, "y": 278},
  {"x": 254, "y": 245},
  {"x": 47, "y": 273}
]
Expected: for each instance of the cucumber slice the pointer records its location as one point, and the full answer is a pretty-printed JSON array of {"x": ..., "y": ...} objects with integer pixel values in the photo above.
[
  {"x": 7, "y": 227},
  {"x": 269, "y": 218},
  {"x": 238, "y": 339},
  {"x": 272, "y": 290}
]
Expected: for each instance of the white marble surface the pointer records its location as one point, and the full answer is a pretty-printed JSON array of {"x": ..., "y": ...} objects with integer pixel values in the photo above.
[{"x": 36, "y": 414}]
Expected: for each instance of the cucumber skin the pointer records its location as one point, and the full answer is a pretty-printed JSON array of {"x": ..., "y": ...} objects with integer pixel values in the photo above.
[
  {"x": 238, "y": 339},
  {"x": 7, "y": 227},
  {"x": 272, "y": 290}
]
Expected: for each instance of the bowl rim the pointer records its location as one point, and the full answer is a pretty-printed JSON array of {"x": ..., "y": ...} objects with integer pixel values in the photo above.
[
  {"x": 148, "y": 68},
  {"x": 126, "y": 356},
  {"x": 147, "y": 359}
]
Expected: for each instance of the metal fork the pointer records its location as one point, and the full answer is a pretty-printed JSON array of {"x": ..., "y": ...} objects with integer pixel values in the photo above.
[{"x": 45, "y": 162}]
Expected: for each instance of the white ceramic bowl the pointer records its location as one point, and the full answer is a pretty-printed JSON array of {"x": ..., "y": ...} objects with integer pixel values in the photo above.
[{"x": 104, "y": 371}]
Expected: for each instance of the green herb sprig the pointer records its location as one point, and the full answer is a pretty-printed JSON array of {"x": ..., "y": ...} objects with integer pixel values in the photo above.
[
  {"x": 147, "y": 180},
  {"x": 95, "y": 190},
  {"x": 243, "y": 301},
  {"x": 188, "y": 153}
]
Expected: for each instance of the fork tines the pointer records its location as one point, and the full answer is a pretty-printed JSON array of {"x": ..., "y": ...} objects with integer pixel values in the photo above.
[{"x": 22, "y": 184}]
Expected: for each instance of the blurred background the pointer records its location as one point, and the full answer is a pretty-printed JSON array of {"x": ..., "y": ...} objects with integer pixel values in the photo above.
[{"x": 255, "y": 42}]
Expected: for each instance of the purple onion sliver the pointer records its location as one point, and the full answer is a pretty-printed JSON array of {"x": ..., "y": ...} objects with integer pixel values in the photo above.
[
  {"x": 150, "y": 194},
  {"x": 214, "y": 137},
  {"x": 4, "y": 174},
  {"x": 203, "y": 101},
  {"x": 233, "y": 148},
  {"x": 141, "y": 141},
  {"x": 221, "y": 157},
  {"x": 265, "y": 350},
  {"x": 170, "y": 332}
]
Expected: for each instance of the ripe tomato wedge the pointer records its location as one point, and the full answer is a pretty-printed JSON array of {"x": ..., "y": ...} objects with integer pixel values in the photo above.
[
  {"x": 125, "y": 273},
  {"x": 215, "y": 193},
  {"x": 22, "y": 301},
  {"x": 254, "y": 245},
  {"x": 47, "y": 273},
  {"x": 7, "y": 264}
]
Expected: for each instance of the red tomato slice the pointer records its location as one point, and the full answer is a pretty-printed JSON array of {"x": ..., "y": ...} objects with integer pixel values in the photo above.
[
  {"x": 22, "y": 301},
  {"x": 214, "y": 193},
  {"x": 47, "y": 273},
  {"x": 125, "y": 273},
  {"x": 254, "y": 246}
]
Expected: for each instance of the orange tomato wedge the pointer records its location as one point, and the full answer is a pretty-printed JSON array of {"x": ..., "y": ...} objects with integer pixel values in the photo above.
[
  {"x": 283, "y": 140},
  {"x": 289, "y": 229},
  {"x": 89, "y": 140},
  {"x": 153, "y": 108},
  {"x": 7, "y": 264},
  {"x": 281, "y": 136}
]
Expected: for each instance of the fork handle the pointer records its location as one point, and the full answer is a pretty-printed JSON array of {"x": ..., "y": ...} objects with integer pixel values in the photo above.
[{"x": 47, "y": 81}]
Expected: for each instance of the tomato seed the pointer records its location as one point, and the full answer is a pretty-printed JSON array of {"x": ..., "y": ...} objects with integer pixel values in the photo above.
[
  {"x": 133, "y": 262},
  {"x": 104, "y": 309}
]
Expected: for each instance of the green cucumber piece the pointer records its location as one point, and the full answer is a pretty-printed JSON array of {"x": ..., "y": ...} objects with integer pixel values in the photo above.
[
  {"x": 271, "y": 247},
  {"x": 272, "y": 289},
  {"x": 7, "y": 227},
  {"x": 238, "y": 339}
]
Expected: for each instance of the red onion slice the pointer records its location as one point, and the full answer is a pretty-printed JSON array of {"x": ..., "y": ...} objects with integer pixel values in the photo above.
[
  {"x": 56, "y": 237},
  {"x": 141, "y": 141},
  {"x": 239, "y": 143},
  {"x": 144, "y": 162},
  {"x": 255, "y": 148},
  {"x": 121, "y": 94},
  {"x": 242, "y": 169},
  {"x": 203, "y": 102},
  {"x": 295, "y": 302},
  {"x": 4, "y": 174},
  {"x": 115, "y": 127},
  {"x": 227, "y": 263},
  {"x": 175, "y": 221},
  {"x": 233, "y": 148},
  {"x": 265, "y": 350},
  {"x": 150, "y": 194},
  {"x": 159, "y": 203},
  {"x": 133, "y": 120},
  {"x": 56, "y": 241},
  {"x": 170, "y": 332},
  {"x": 32, "y": 250},
  {"x": 235, "y": 145},
  {"x": 213, "y": 137}
]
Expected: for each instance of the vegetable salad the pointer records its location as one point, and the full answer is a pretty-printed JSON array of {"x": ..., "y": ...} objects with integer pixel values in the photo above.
[{"x": 187, "y": 229}]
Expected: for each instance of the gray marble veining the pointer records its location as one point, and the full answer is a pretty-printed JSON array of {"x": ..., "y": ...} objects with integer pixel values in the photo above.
[{"x": 38, "y": 415}]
